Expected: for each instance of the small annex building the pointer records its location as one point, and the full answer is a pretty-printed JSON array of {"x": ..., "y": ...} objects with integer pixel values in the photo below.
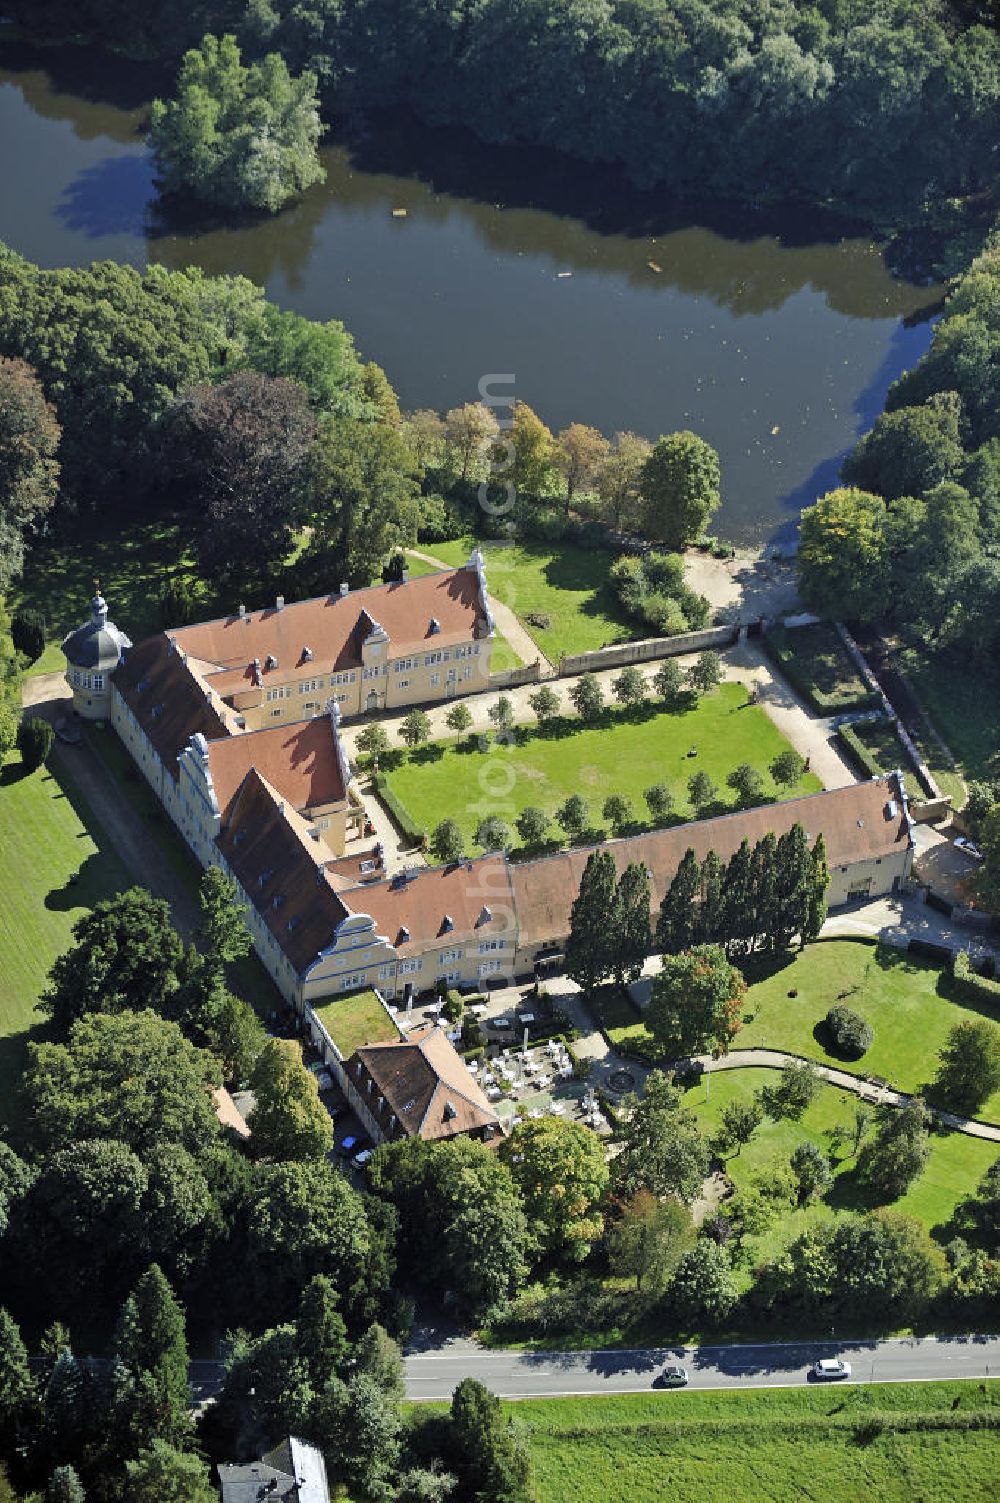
[
  {"x": 417, "y": 1087},
  {"x": 293, "y": 1472}
]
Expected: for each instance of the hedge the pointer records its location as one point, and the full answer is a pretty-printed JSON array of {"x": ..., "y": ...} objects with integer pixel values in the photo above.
[
  {"x": 785, "y": 659},
  {"x": 971, "y": 986},
  {"x": 857, "y": 752},
  {"x": 408, "y": 826}
]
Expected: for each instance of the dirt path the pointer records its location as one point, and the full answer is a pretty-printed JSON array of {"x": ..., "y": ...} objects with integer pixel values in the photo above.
[{"x": 519, "y": 638}]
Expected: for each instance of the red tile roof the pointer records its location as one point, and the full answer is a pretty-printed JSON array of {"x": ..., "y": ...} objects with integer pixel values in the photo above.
[
  {"x": 167, "y": 700},
  {"x": 300, "y": 762},
  {"x": 854, "y": 822},
  {"x": 425, "y": 1085},
  {"x": 475, "y": 895},
  {"x": 333, "y": 627},
  {"x": 284, "y": 881}
]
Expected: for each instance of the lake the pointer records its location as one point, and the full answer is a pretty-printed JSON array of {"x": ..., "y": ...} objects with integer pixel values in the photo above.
[{"x": 775, "y": 336}]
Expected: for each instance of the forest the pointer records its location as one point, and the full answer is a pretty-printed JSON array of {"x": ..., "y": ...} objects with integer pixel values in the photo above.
[{"x": 880, "y": 108}]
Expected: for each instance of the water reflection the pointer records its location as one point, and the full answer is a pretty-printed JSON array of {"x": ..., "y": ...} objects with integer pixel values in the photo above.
[{"x": 775, "y": 336}]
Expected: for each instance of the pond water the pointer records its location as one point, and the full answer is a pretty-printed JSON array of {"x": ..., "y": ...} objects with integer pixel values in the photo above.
[{"x": 774, "y": 336}]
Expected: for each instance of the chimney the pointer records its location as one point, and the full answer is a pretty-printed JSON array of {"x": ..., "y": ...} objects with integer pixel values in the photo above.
[
  {"x": 344, "y": 587},
  {"x": 404, "y": 575},
  {"x": 242, "y": 610},
  {"x": 279, "y": 604}
]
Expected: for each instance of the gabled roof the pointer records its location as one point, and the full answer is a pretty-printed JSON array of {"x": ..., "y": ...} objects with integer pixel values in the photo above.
[
  {"x": 412, "y": 913},
  {"x": 293, "y": 1472},
  {"x": 855, "y": 822},
  {"x": 300, "y": 761},
  {"x": 167, "y": 700},
  {"x": 333, "y": 627},
  {"x": 425, "y": 1085},
  {"x": 266, "y": 846}
]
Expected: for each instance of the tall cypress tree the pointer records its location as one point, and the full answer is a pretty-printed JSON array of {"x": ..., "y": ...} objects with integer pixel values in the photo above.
[
  {"x": 152, "y": 1353},
  {"x": 818, "y": 886},
  {"x": 764, "y": 889},
  {"x": 631, "y": 930},
  {"x": 793, "y": 879},
  {"x": 737, "y": 902},
  {"x": 16, "y": 1387},
  {"x": 678, "y": 919},
  {"x": 710, "y": 900},
  {"x": 590, "y": 945}
]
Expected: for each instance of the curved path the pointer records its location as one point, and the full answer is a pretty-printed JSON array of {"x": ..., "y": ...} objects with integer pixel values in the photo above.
[{"x": 879, "y": 1095}]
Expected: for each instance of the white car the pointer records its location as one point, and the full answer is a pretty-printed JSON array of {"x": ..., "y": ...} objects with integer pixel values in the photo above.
[
  {"x": 830, "y": 1368},
  {"x": 965, "y": 844},
  {"x": 361, "y": 1159}
]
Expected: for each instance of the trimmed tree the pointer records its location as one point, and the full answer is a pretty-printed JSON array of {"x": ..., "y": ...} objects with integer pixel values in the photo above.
[
  {"x": 702, "y": 792},
  {"x": 706, "y": 674},
  {"x": 659, "y": 802},
  {"x": 668, "y": 681},
  {"x": 573, "y": 816},
  {"x": 587, "y": 696},
  {"x": 747, "y": 783},
  {"x": 34, "y": 741},
  {"x": 374, "y": 741},
  {"x": 459, "y": 719},
  {"x": 617, "y": 810},
  {"x": 787, "y": 768},
  {"x": 629, "y": 688},
  {"x": 545, "y": 705},
  {"x": 493, "y": 834},
  {"x": 415, "y": 728},
  {"x": 588, "y": 949},
  {"x": 970, "y": 1066},
  {"x": 532, "y": 826},
  {"x": 447, "y": 842}
]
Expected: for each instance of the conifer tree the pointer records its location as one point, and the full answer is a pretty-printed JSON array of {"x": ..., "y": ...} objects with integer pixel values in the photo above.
[
  {"x": 819, "y": 885},
  {"x": 631, "y": 934},
  {"x": 588, "y": 949},
  {"x": 764, "y": 891},
  {"x": 677, "y": 922},
  {"x": 737, "y": 902},
  {"x": 152, "y": 1353},
  {"x": 710, "y": 913},
  {"x": 793, "y": 878}
]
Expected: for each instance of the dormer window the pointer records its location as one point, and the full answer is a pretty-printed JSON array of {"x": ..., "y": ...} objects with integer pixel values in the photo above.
[
  {"x": 434, "y": 627},
  {"x": 447, "y": 923},
  {"x": 277, "y": 900},
  {"x": 270, "y": 661},
  {"x": 307, "y": 654},
  {"x": 485, "y": 915},
  {"x": 265, "y": 877},
  {"x": 450, "y": 1111},
  {"x": 403, "y": 936}
]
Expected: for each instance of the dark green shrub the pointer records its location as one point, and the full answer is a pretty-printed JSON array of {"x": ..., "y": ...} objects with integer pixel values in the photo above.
[
  {"x": 850, "y": 1033},
  {"x": 34, "y": 741},
  {"x": 27, "y": 631}
]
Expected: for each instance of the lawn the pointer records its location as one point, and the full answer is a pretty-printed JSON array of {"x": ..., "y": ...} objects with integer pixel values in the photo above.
[
  {"x": 624, "y": 753},
  {"x": 956, "y": 1165},
  {"x": 57, "y": 864},
  {"x": 765, "y": 1446},
  {"x": 818, "y": 664},
  {"x": 880, "y": 739},
  {"x": 133, "y": 567},
  {"x": 356, "y": 1020},
  {"x": 569, "y": 584},
  {"x": 964, "y": 706},
  {"x": 910, "y": 1003}
]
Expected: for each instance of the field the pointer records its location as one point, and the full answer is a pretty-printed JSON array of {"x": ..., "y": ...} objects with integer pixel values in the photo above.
[
  {"x": 767, "y": 1447},
  {"x": 356, "y": 1020},
  {"x": 818, "y": 665},
  {"x": 567, "y": 583},
  {"x": 956, "y": 1165},
  {"x": 624, "y": 753},
  {"x": 56, "y": 865}
]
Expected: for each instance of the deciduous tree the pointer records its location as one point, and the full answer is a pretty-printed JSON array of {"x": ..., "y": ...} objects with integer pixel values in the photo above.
[
  {"x": 662, "y": 1147},
  {"x": 969, "y": 1072},
  {"x": 560, "y": 1169},
  {"x": 288, "y": 1120},
  {"x": 696, "y": 1002},
  {"x": 679, "y": 485}
]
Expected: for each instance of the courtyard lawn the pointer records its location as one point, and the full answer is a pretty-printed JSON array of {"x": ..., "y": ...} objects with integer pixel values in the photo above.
[
  {"x": 956, "y": 1165},
  {"x": 565, "y": 582},
  {"x": 57, "y": 864},
  {"x": 910, "y": 1003},
  {"x": 765, "y": 1446},
  {"x": 356, "y": 1020},
  {"x": 623, "y": 753}
]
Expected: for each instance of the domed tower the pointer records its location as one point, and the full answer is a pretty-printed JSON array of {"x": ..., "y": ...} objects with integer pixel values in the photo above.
[{"x": 93, "y": 652}]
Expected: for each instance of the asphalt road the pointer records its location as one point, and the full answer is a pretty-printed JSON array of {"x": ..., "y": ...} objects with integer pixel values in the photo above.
[{"x": 518, "y": 1375}]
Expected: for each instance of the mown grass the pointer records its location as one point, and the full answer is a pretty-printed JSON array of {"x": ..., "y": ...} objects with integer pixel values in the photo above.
[
  {"x": 567, "y": 583},
  {"x": 821, "y": 660},
  {"x": 356, "y": 1020},
  {"x": 956, "y": 1165},
  {"x": 56, "y": 865},
  {"x": 623, "y": 753},
  {"x": 767, "y": 1446},
  {"x": 911, "y": 1004}
]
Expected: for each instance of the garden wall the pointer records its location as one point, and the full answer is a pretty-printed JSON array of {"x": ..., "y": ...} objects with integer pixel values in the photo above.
[
  {"x": 510, "y": 678},
  {"x": 648, "y": 650}
]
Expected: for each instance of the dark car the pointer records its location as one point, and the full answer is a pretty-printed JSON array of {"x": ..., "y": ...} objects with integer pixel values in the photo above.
[{"x": 671, "y": 1376}]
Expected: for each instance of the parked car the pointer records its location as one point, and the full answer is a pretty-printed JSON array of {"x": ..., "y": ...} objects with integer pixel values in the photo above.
[
  {"x": 965, "y": 844},
  {"x": 361, "y": 1159},
  {"x": 671, "y": 1376},
  {"x": 353, "y": 1144},
  {"x": 830, "y": 1368}
]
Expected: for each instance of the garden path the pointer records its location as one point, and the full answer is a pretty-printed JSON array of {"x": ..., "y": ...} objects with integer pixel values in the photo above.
[{"x": 519, "y": 638}]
